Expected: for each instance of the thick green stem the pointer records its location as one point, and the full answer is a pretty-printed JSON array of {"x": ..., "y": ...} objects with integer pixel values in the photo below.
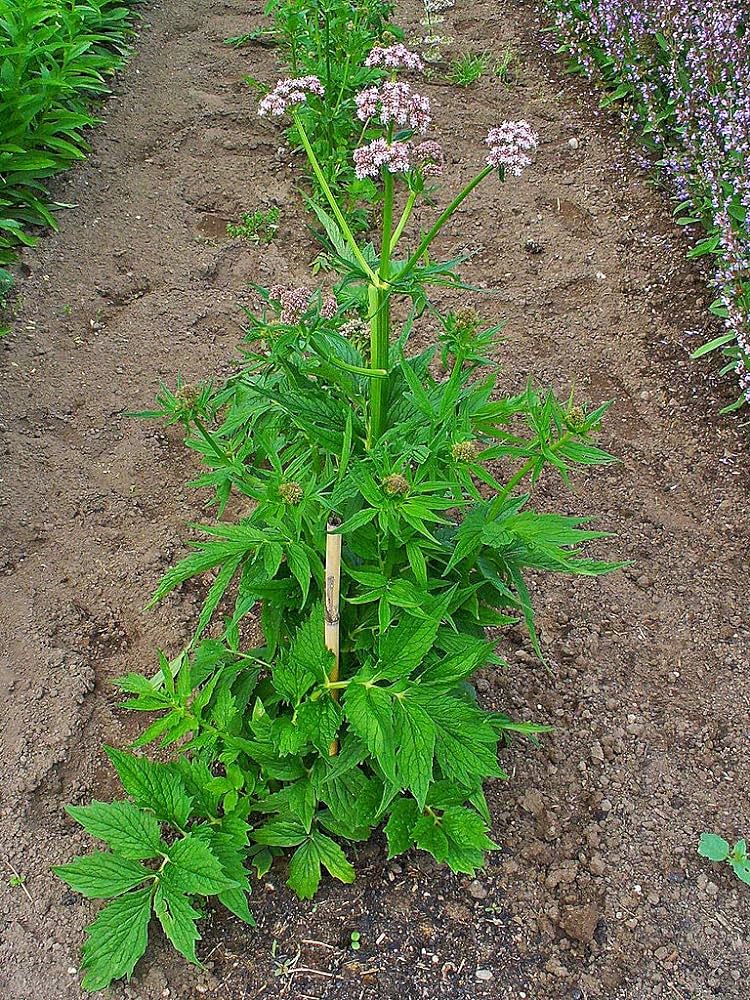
[
  {"x": 338, "y": 214},
  {"x": 380, "y": 318}
]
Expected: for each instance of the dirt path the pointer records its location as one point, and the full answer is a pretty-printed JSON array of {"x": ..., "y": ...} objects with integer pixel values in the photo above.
[{"x": 598, "y": 892}]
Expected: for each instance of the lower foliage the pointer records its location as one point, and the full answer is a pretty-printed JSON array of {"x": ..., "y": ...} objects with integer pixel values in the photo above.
[{"x": 272, "y": 754}]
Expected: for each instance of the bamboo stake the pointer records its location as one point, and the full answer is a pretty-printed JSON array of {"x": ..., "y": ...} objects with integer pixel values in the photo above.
[{"x": 332, "y": 620}]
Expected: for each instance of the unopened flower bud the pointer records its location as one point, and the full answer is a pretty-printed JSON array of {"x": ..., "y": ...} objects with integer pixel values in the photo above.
[
  {"x": 187, "y": 395},
  {"x": 395, "y": 485},
  {"x": 575, "y": 418},
  {"x": 465, "y": 451},
  {"x": 290, "y": 493}
]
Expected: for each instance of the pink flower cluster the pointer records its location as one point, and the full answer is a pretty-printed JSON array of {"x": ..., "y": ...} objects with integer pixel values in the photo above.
[
  {"x": 370, "y": 158},
  {"x": 399, "y": 158},
  {"x": 510, "y": 145},
  {"x": 397, "y": 105},
  {"x": 394, "y": 57},
  {"x": 288, "y": 92},
  {"x": 430, "y": 158},
  {"x": 296, "y": 301}
]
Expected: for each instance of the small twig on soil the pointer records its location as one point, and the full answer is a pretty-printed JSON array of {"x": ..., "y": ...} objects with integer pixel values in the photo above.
[
  {"x": 322, "y": 944},
  {"x": 20, "y": 880}
]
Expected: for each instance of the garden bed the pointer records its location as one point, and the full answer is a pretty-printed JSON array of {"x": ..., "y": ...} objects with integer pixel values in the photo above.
[{"x": 598, "y": 891}]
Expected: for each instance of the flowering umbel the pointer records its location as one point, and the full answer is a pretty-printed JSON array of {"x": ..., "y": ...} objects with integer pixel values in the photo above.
[
  {"x": 430, "y": 158},
  {"x": 394, "y": 57},
  {"x": 396, "y": 104},
  {"x": 288, "y": 92},
  {"x": 370, "y": 158},
  {"x": 510, "y": 145}
]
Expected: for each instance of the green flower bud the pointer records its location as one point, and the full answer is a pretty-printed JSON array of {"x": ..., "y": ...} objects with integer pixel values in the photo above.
[
  {"x": 187, "y": 395},
  {"x": 575, "y": 418},
  {"x": 395, "y": 485},
  {"x": 465, "y": 451},
  {"x": 291, "y": 493}
]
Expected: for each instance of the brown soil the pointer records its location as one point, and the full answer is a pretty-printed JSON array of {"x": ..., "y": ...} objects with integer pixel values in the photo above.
[{"x": 598, "y": 892}]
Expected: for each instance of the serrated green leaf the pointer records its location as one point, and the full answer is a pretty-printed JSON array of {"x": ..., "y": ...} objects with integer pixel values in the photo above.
[
  {"x": 306, "y": 661},
  {"x": 235, "y": 901},
  {"x": 415, "y": 737},
  {"x": 369, "y": 710},
  {"x": 403, "y": 816},
  {"x": 333, "y": 858},
  {"x": 152, "y": 786},
  {"x": 127, "y": 830},
  {"x": 304, "y": 871},
  {"x": 280, "y": 833},
  {"x": 299, "y": 566},
  {"x": 429, "y": 837},
  {"x": 116, "y": 939},
  {"x": 101, "y": 875},
  {"x": 193, "y": 868},
  {"x": 467, "y": 838},
  {"x": 402, "y": 649},
  {"x": 178, "y": 918}
]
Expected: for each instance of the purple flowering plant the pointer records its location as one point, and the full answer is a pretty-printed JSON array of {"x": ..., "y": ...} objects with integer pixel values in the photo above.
[
  {"x": 680, "y": 72},
  {"x": 332, "y": 436}
]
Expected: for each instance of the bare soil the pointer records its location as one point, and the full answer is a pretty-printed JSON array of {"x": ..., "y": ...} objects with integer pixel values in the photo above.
[{"x": 597, "y": 892}]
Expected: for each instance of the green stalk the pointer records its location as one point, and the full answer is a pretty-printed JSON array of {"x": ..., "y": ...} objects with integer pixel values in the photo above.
[
  {"x": 405, "y": 216},
  {"x": 525, "y": 469},
  {"x": 380, "y": 318},
  {"x": 209, "y": 439},
  {"x": 338, "y": 214},
  {"x": 442, "y": 219}
]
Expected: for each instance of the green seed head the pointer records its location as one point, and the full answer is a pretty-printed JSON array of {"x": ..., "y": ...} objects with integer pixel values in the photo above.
[
  {"x": 290, "y": 493},
  {"x": 465, "y": 451},
  {"x": 395, "y": 485}
]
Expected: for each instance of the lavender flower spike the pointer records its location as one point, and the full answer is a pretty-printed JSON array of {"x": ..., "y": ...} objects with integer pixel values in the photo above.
[
  {"x": 288, "y": 92},
  {"x": 510, "y": 145}
]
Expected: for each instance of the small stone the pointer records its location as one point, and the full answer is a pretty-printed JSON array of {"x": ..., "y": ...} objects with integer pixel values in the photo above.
[
  {"x": 573, "y": 143},
  {"x": 477, "y": 890},
  {"x": 597, "y": 865},
  {"x": 579, "y": 922},
  {"x": 712, "y": 889},
  {"x": 484, "y": 975}
]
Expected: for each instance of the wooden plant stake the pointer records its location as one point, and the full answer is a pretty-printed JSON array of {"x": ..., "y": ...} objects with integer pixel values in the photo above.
[{"x": 332, "y": 620}]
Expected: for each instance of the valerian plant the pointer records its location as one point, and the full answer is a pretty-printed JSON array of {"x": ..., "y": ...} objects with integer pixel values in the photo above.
[{"x": 332, "y": 427}]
